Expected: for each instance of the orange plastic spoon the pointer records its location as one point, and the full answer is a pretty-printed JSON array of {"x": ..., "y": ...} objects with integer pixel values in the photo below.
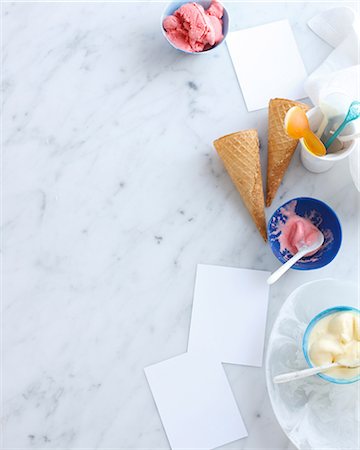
[{"x": 297, "y": 126}]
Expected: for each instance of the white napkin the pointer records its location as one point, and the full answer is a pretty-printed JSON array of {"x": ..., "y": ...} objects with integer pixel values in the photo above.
[
  {"x": 195, "y": 402},
  {"x": 191, "y": 391},
  {"x": 340, "y": 72},
  {"x": 229, "y": 312},
  {"x": 271, "y": 48},
  {"x": 340, "y": 28}
]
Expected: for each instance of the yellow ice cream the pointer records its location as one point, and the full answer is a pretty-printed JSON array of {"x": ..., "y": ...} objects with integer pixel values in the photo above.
[
  {"x": 336, "y": 338},
  {"x": 341, "y": 326}
]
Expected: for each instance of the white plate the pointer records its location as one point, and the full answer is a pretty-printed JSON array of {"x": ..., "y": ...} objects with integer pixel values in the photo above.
[{"x": 314, "y": 413}]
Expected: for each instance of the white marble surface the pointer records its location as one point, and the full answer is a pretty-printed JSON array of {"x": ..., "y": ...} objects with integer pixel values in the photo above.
[{"x": 112, "y": 193}]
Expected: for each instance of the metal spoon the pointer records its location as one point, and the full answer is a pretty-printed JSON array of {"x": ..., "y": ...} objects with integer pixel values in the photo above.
[
  {"x": 304, "y": 250},
  {"x": 285, "y": 377}
]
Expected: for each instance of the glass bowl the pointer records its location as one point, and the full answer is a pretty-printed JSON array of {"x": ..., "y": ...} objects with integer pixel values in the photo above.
[
  {"x": 305, "y": 344},
  {"x": 314, "y": 413}
]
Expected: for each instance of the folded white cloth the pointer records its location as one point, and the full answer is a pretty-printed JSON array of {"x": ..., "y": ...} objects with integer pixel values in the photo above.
[
  {"x": 339, "y": 27},
  {"x": 340, "y": 72}
]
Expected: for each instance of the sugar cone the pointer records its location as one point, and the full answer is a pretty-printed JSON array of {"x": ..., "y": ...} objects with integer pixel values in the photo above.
[
  {"x": 240, "y": 155},
  {"x": 281, "y": 147}
]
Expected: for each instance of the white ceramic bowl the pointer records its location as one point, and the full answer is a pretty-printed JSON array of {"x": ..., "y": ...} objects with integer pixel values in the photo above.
[
  {"x": 318, "y": 164},
  {"x": 173, "y": 6},
  {"x": 314, "y": 413},
  {"x": 354, "y": 162}
]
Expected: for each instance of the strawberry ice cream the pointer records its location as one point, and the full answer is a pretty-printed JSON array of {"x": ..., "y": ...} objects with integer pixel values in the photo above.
[
  {"x": 296, "y": 231},
  {"x": 194, "y": 29}
]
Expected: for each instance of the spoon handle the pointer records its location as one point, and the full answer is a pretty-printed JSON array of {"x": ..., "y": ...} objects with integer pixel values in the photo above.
[
  {"x": 336, "y": 134},
  {"x": 322, "y": 127},
  {"x": 350, "y": 137},
  {"x": 285, "y": 267},
  {"x": 285, "y": 377}
]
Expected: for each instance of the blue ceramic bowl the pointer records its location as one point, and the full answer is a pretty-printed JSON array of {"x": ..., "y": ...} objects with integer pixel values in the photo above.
[
  {"x": 173, "y": 6},
  {"x": 323, "y": 217},
  {"x": 305, "y": 343}
]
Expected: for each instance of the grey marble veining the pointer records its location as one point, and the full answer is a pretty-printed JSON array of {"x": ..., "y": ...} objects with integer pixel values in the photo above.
[{"x": 112, "y": 193}]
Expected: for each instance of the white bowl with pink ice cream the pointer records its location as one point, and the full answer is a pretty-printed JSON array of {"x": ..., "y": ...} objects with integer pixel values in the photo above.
[{"x": 195, "y": 27}]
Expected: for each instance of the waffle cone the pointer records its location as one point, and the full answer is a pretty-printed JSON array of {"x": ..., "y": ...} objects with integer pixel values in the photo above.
[
  {"x": 240, "y": 155},
  {"x": 281, "y": 147}
]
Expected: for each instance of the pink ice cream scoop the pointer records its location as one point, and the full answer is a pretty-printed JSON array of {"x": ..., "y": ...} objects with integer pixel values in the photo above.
[
  {"x": 298, "y": 232},
  {"x": 194, "y": 29}
]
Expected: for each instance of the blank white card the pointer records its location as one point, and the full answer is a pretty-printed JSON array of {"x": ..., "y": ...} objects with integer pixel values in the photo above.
[
  {"x": 229, "y": 313},
  {"x": 195, "y": 402},
  {"x": 267, "y": 63}
]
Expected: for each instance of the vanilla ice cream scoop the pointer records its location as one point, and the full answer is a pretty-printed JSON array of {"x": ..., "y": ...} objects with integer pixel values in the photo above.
[
  {"x": 357, "y": 327},
  {"x": 341, "y": 325},
  {"x": 335, "y": 338},
  {"x": 323, "y": 350},
  {"x": 351, "y": 352}
]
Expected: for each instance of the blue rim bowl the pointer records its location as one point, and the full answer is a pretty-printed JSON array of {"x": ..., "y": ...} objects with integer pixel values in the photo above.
[
  {"x": 173, "y": 6},
  {"x": 305, "y": 343},
  {"x": 323, "y": 217}
]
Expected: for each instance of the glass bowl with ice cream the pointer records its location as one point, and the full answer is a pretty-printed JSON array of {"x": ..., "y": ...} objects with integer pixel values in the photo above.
[
  {"x": 297, "y": 222},
  {"x": 334, "y": 336},
  {"x": 195, "y": 27}
]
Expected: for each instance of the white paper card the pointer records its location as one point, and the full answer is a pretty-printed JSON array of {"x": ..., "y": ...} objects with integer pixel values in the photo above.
[
  {"x": 195, "y": 402},
  {"x": 267, "y": 63},
  {"x": 229, "y": 314}
]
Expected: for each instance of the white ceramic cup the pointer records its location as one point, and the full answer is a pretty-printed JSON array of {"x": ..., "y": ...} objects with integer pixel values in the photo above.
[{"x": 318, "y": 164}]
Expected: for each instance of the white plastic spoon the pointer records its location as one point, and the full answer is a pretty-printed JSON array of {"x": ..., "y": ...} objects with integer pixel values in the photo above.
[
  {"x": 331, "y": 106},
  {"x": 304, "y": 250},
  {"x": 285, "y": 377},
  {"x": 322, "y": 127},
  {"x": 348, "y": 137}
]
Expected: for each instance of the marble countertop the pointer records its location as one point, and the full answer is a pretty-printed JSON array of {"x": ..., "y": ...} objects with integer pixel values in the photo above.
[{"x": 112, "y": 193}]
